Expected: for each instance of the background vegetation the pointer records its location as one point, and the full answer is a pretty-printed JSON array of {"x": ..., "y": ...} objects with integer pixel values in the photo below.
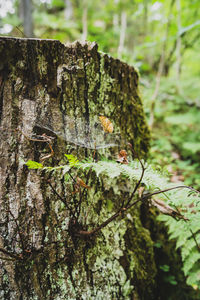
[{"x": 161, "y": 39}]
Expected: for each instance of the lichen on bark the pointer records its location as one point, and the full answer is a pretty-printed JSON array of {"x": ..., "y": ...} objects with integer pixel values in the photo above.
[{"x": 40, "y": 82}]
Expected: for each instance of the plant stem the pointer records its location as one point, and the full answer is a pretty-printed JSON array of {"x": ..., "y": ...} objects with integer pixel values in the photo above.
[
  {"x": 129, "y": 205},
  {"x": 63, "y": 201},
  {"x": 170, "y": 189},
  {"x": 194, "y": 238},
  {"x": 83, "y": 232}
]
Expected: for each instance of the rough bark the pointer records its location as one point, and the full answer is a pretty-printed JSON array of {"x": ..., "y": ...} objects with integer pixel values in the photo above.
[{"x": 41, "y": 255}]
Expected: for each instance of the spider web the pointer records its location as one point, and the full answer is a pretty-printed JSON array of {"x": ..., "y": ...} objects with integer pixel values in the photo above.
[{"x": 82, "y": 133}]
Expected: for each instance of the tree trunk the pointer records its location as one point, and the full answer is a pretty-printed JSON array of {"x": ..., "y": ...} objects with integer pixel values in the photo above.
[
  {"x": 122, "y": 33},
  {"x": 178, "y": 44},
  {"x": 160, "y": 68},
  {"x": 26, "y": 6},
  {"x": 41, "y": 255},
  {"x": 68, "y": 12},
  {"x": 84, "y": 20}
]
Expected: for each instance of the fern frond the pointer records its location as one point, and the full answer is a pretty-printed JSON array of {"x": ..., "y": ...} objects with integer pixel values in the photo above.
[
  {"x": 189, "y": 245},
  {"x": 191, "y": 260},
  {"x": 152, "y": 179},
  {"x": 185, "y": 231},
  {"x": 194, "y": 276}
]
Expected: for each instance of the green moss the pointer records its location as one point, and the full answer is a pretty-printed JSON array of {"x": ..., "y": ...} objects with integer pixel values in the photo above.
[
  {"x": 107, "y": 84},
  {"x": 140, "y": 256},
  {"x": 42, "y": 65}
]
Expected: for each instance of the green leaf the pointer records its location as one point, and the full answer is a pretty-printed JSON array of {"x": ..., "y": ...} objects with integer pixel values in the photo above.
[
  {"x": 164, "y": 268},
  {"x": 67, "y": 177},
  {"x": 73, "y": 161},
  {"x": 186, "y": 29},
  {"x": 158, "y": 244},
  {"x": 109, "y": 204},
  {"x": 171, "y": 280},
  {"x": 34, "y": 165},
  {"x": 192, "y": 146},
  {"x": 192, "y": 259}
]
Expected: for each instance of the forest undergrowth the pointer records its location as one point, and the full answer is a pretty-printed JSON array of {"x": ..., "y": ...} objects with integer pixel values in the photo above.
[{"x": 175, "y": 151}]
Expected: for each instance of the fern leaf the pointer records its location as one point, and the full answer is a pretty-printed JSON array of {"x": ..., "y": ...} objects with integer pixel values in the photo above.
[{"x": 191, "y": 260}]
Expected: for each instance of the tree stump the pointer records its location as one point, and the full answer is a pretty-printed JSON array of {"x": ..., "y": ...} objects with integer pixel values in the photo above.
[{"x": 47, "y": 87}]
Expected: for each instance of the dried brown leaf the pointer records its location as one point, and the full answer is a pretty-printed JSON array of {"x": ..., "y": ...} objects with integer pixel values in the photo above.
[
  {"x": 122, "y": 157},
  {"x": 81, "y": 183},
  {"x": 166, "y": 209},
  {"x": 106, "y": 124}
]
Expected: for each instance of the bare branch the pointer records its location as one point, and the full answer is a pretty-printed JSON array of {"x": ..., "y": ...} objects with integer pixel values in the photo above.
[
  {"x": 63, "y": 201},
  {"x": 169, "y": 189}
]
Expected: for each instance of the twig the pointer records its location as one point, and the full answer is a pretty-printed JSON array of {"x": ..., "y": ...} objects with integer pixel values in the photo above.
[
  {"x": 69, "y": 172},
  {"x": 194, "y": 238},
  {"x": 141, "y": 177},
  {"x": 63, "y": 201},
  {"x": 48, "y": 155},
  {"x": 123, "y": 209},
  {"x": 160, "y": 192},
  {"x": 88, "y": 233},
  {"x": 76, "y": 188},
  {"x": 44, "y": 139},
  {"x": 93, "y": 156},
  {"x": 24, "y": 36},
  {"x": 113, "y": 217},
  {"x": 136, "y": 187},
  {"x": 193, "y": 234},
  {"x": 82, "y": 193},
  {"x": 170, "y": 189},
  {"x": 79, "y": 202}
]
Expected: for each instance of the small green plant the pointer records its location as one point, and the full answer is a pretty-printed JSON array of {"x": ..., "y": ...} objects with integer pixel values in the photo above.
[
  {"x": 179, "y": 205},
  {"x": 168, "y": 277}
]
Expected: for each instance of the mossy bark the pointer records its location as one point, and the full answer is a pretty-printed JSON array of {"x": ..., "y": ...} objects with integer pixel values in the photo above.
[{"x": 41, "y": 256}]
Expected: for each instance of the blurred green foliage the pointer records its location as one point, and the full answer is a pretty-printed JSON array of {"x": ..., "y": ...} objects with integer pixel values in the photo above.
[{"x": 176, "y": 139}]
